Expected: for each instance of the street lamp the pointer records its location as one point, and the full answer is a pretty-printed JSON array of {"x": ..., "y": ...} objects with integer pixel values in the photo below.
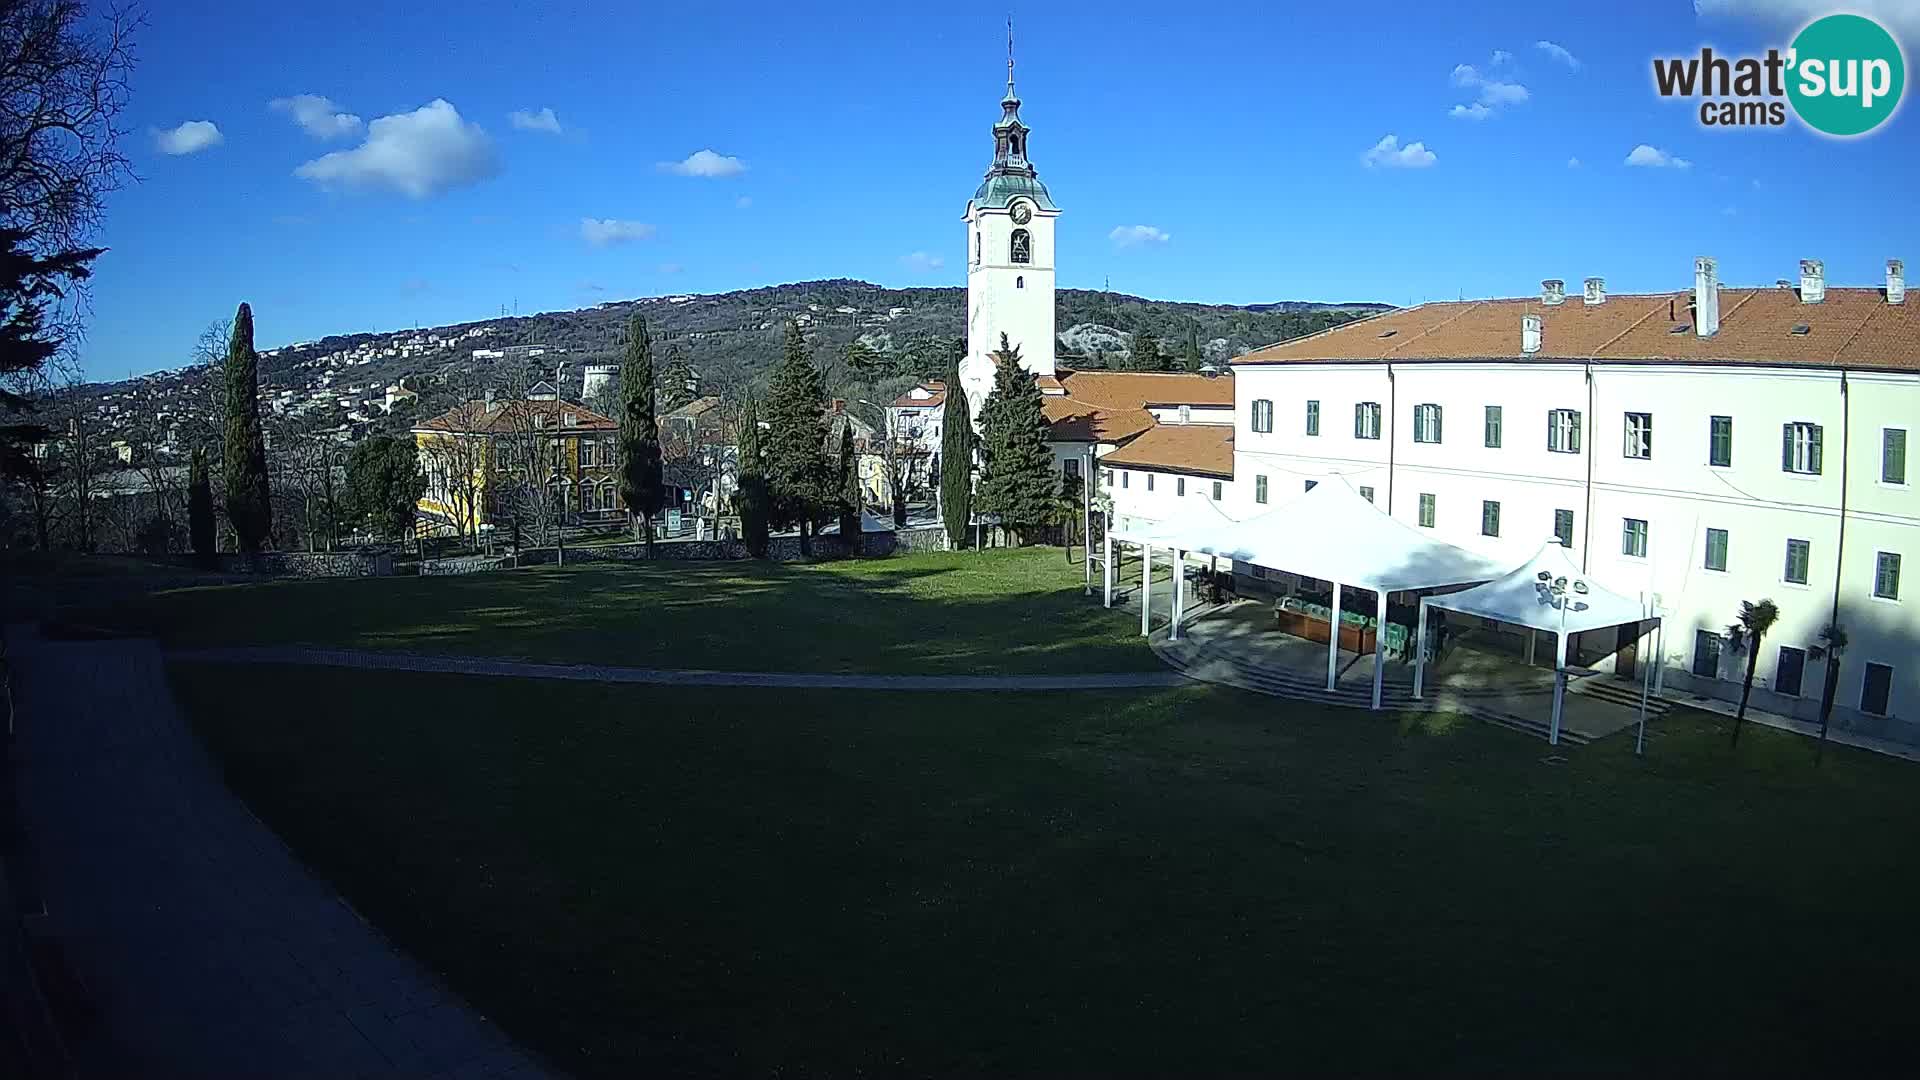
[{"x": 1560, "y": 592}]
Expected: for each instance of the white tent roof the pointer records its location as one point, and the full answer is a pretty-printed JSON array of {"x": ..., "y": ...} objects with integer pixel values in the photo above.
[
  {"x": 1334, "y": 534},
  {"x": 1520, "y": 597}
]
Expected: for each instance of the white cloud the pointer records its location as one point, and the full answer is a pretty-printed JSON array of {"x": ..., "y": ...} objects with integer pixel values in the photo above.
[
  {"x": 1902, "y": 17},
  {"x": 317, "y": 116},
  {"x": 419, "y": 154},
  {"x": 1502, "y": 93},
  {"x": 1494, "y": 93},
  {"x": 1466, "y": 75},
  {"x": 669, "y": 268},
  {"x": 1728, "y": 211},
  {"x": 1573, "y": 163},
  {"x": 920, "y": 262},
  {"x": 189, "y": 138},
  {"x": 416, "y": 285},
  {"x": 1557, "y": 53},
  {"x": 1390, "y": 154},
  {"x": 743, "y": 202},
  {"x": 1652, "y": 157},
  {"x": 1501, "y": 56},
  {"x": 528, "y": 120},
  {"x": 1475, "y": 111},
  {"x": 606, "y": 232},
  {"x": 705, "y": 163},
  {"x": 1127, "y": 236}
]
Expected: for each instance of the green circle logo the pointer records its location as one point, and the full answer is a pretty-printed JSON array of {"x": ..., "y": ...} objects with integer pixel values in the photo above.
[{"x": 1845, "y": 75}]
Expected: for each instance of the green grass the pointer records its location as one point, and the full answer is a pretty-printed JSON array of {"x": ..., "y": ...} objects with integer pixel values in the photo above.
[
  {"x": 1008, "y": 611},
  {"x": 638, "y": 880}
]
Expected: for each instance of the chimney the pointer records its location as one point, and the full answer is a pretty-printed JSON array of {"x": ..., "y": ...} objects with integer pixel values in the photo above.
[
  {"x": 1896, "y": 281},
  {"x": 1706, "y": 297},
  {"x": 1813, "y": 281},
  {"x": 1530, "y": 325},
  {"x": 1596, "y": 291},
  {"x": 1553, "y": 292},
  {"x": 489, "y": 399}
]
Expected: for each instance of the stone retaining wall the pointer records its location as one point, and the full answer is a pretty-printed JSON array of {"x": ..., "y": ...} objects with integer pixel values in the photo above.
[
  {"x": 779, "y": 548},
  {"x": 309, "y": 564}
]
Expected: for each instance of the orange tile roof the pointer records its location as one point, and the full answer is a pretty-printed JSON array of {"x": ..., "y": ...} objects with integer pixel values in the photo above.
[
  {"x": 938, "y": 396},
  {"x": 1110, "y": 406},
  {"x": 1199, "y": 449},
  {"x": 1077, "y": 421},
  {"x": 507, "y": 416},
  {"x": 1852, "y": 327}
]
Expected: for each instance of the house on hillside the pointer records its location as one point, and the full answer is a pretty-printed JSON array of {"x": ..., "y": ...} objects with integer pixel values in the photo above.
[{"x": 494, "y": 462}]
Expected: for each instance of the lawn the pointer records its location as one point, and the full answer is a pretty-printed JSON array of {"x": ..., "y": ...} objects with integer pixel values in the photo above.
[
  {"x": 638, "y": 880},
  {"x": 1008, "y": 611}
]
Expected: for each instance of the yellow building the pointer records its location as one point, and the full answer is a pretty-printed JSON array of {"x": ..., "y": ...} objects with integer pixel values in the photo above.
[{"x": 494, "y": 463}]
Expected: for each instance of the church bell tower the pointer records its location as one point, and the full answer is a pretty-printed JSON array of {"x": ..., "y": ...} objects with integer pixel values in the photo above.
[{"x": 1010, "y": 252}]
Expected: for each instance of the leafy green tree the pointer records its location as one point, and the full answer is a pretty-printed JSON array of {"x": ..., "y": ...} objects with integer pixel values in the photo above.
[
  {"x": 750, "y": 500},
  {"x": 200, "y": 526},
  {"x": 677, "y": 383},
  {"x": 799, "y": 482},
  {"x": 1833, "y": 645},
  {"x": 641, "y": 484},
  {"x": 1016, "y": 476},
  {"x": 1192, "y": 359},
  {"x": 1145, "y": 354},
  {"x": 1745, "y": 633},
  {"x": 31, "y": 333},
  {"x": 385, "y": 483},
  {"x": 850, "y": 497},
  {"x": 956, "y": 462},
  {"x": 249, "y": 502}
]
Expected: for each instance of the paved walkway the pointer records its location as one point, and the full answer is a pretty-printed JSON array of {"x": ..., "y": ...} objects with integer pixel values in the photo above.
[
  {"x": 199, "y": 945},
  {"x": 798, "y": 680}
]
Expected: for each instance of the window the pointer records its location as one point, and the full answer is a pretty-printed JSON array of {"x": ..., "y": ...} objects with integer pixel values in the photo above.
[
  {"x": 1563, "y": 431},
  {"x": 1022, "y": 246},
  {"x": 1311, "y": 484},
  {"x": 568, "y": 419},
  {"x": 1149, "y": 481},
  {"x": 1313, "y": 418},
  {"x": 1706, "y": 654},
  {"x": 1426, "y": 510},
  {"x": 1216, "y": 491},
  {"x": 1366, "y": 492},
  {"x": 1020, "y": 282},
  {"x": 1717, "y": 550},
  {"x": 1633, "y": 537},
  {"x": 1071, "y": 467},
  {"x": 1262, "y": 415},
  {"x": 1179, "y": 485},
  {"x": 1106, "y": 478},
  {"x": 1893, "y": 455},
  {"x": 1875, "y": 689},
  {"x": 1259, "y": 489},
  {"x": 1124, "y": 478},
  {"x": 1799, "y": 553},
  {"x": 976, "y": 247},
  {"x": 1366, "y": 420},
  {"x": 1800, "y": 448},
  {"x": 1426, "y": 423},
  {"x": 586, "y": 453},
  {"x": 1720, "y": 441},
  {"x": 1790, "y": 671},
  {"x": 1489, "y": 518},
  {"x": 1638, "y": 442},
  {"x": 1886, "y": 576},
  {"x": 1563, "y": 527},
  {"x": 1493, "y": 427}
]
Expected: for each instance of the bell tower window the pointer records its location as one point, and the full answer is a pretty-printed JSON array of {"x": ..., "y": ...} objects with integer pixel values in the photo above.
[
  {"x": 1022, "y": 246},
  {"x": 1020, "y": 283}
]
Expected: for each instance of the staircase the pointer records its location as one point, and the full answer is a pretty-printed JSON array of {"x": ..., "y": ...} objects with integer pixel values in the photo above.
[{"x": 1620, "y": 692}]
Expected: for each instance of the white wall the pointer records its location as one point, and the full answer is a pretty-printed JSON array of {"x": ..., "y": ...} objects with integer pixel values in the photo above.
[{"x": 1009, "y": 297}]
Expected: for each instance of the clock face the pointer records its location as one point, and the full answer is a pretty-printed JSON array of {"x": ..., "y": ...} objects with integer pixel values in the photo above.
[{"x": 1022, "y": 213}]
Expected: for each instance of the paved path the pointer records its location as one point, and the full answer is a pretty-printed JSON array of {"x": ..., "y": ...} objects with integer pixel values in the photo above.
[
  {"x": 206, "y": 948},
  {"x": 479, "y": 665}
]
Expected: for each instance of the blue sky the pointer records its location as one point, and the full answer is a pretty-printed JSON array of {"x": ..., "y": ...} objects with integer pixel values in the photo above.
[{"x": 845, "y": 144}]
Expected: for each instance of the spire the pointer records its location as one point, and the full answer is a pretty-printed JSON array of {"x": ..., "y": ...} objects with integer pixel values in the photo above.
[
  {"x": 1009, "y": 134},
  {"x": 1010, "y": 94}
]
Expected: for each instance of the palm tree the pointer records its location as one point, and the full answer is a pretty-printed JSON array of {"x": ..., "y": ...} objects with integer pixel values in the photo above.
[
  {"x": 1833, "y": 644},
  {"x": 1745, "y": 633}
]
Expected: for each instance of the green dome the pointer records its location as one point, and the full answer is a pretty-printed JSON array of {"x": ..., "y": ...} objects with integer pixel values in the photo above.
[{"x": 998, "y": 191}]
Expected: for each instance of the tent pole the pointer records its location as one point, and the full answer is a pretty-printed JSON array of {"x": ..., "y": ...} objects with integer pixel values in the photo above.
[
  {"x": 1333, "y": 636},
  {"x": 1532, "y": 634},
  {"x": 1559, "y": 685},
  {"x": 1379, "y": 643},
  {"x": 1420, "y": 651},
  {"x": 1146, "y": 587},
  {"x": 1106, "y": 567},
  {"x": 1179, "y": 595},
  {"x": 1659, "y": 656},
  {"x": 1640, "y": 739}
]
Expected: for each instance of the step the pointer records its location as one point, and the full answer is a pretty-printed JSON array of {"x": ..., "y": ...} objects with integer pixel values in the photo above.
[{"x": 1621, "y": 694}]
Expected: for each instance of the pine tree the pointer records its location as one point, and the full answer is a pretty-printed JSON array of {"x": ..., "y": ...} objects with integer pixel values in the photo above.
[
  {"x": 676, "y": 380},
  {"x": 249, "y": 502},
  {"x": 1145, "y": 352},
  {"x": 641, "y": 484},
  {"x": 850, "y": 497},
  {"x": 385, "y": 483},
  {"x": 956, "y": 462},
  {"x": 1016, "y": 479},
  {"x": 200, "y": 506},
  {"x": 750, "y": 500},
  {"x": 799, "y": 483}
]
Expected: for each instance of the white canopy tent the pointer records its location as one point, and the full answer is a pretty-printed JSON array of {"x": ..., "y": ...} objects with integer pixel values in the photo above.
[
  {"x": 1547, "y": 592},
  {"x": 1329, "y": 532}
]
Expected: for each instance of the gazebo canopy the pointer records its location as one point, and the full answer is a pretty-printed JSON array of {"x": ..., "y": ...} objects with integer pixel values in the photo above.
[{"x": 1521, "y": 598}]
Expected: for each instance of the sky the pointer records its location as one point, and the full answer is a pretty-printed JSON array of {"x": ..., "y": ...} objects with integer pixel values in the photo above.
[{"x": 358, "y": 168}]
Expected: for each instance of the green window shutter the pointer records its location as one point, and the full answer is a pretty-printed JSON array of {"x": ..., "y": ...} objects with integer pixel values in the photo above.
[
  {"x": 1893, "y": 458},
  {"x": 1814, "y": 456},
  {"x": 1576, "y": 433},
  {"x": 1786, "y": 447}
]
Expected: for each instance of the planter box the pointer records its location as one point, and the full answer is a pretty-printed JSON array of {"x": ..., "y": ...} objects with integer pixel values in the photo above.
[{"x": 1302, "y": 625}]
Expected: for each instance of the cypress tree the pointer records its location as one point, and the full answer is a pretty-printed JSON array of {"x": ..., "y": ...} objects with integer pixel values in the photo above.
[
  {"x": 641, "y": 483},
  {"x": 750, "y": 501},
  {"x": 1194, "y": 359},
  {"x": 956, "y": 462},
  {"x": 249, "y": 502},
  {"x": 676, "y": 380},
  {"x": 800, "y": 484},
  {"x": 1145, "y": 352},
  {"x": 852, "y": 499},
  {"x": 1016, "y": 479},
  {"x": 200, "y": 507}
]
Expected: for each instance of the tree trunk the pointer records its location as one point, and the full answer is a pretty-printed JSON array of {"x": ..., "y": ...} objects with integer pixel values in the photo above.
[
  {"x": 1826, "y": 704},
  {"x": 646, "y": 529},
  {"x": 806, "y": 539},
  {"x": 1746, "y": 689}
]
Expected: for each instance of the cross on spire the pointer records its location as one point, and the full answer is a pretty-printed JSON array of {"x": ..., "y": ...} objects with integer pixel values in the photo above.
[{"x": 1009, "y": 56}]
